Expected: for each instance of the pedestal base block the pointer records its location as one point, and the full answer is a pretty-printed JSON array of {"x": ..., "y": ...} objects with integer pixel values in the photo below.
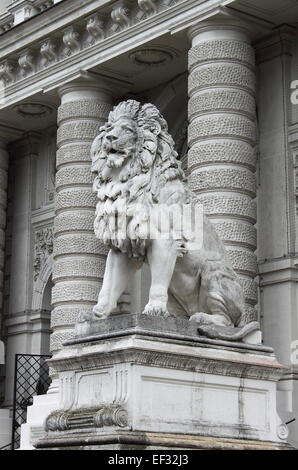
[{"x": 153, "y": 387}]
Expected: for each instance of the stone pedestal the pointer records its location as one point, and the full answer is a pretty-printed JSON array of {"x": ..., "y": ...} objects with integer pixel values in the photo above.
[{"x": 142, "y": 382}]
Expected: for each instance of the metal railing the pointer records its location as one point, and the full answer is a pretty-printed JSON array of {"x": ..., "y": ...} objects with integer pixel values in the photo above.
[{"x": 31, "y": 378}]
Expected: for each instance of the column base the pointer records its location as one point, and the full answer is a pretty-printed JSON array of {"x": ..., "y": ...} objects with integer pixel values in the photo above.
[{"x": 131, "y": 387}]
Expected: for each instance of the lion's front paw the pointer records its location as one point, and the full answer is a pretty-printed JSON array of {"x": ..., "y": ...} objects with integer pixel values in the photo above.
[
  {"x": 100, "y": 312},
  {"x": 156, "y": 309}
]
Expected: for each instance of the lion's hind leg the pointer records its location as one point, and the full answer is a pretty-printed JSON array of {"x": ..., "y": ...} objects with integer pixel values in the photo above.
[{"x": 217, "y": 307}]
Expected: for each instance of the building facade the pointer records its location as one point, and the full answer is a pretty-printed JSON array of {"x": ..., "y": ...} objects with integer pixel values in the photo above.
[{"x": 224, "y": 74}]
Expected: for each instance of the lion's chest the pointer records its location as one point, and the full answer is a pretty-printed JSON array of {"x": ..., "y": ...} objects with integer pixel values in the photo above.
[{"x": 119, "y": 223}]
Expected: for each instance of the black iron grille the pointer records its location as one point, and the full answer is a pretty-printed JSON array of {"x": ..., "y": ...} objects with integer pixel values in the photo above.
[{"x": 31, "y": 378}]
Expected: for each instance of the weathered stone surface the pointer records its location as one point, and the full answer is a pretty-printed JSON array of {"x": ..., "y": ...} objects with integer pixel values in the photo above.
[
  {"x": 234, "y": 179},
  {"x": 74, "y": 153},
  {"x": 79, "y": 267},
  {"x": 221, "y": 151},
  {"x": 83, "y": 109},
  {"x": 79, "y": 258},
  {"x": 237, "y": 233},
  {"x": 153, "y": 326},
  {"x": 232, "y": 75},
  {"x": 77, "y": 131},
  {"x": 232, "y": 100},
  {"x": 73, "y": 220},
  {"x": 154, "y": 441},
  {"x": 135, "y": 360},
  {"x": 3, "y": 203},
  {"x": 78, "y": 243},
  {"x": 75, "y": 291},
  {"x": 222, "y": 125},
  {"x": 222, "y": 135},
  {"x": 243, "y": 207},
  {"x": 75, "y": 197},
  {"x": 218, "y": 49},
  {"x": 74, "y": 175}
]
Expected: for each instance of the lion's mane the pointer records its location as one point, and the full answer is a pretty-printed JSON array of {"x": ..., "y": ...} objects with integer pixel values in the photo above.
[{"x": 152, "y": 174}]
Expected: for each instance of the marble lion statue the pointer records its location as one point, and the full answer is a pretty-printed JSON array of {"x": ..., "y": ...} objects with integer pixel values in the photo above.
[{"x": 137, "y": 171}]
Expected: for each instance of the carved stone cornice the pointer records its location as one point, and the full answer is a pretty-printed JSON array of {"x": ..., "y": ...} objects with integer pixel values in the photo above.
[
  {"x": 93, "y": 39},
  {"x": 133, "y": 351}
]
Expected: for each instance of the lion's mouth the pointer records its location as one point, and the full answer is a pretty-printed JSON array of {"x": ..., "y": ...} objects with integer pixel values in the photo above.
[{"x": 117, "y": 152}]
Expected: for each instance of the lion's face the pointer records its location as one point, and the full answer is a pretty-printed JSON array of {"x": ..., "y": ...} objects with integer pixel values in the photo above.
[{"x": 119, "y": 141}]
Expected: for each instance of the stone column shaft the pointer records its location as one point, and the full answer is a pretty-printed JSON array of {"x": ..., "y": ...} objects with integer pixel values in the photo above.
[
  {"x": 3, "y": 205},
  {"x": 79, "y": 258},
  {"x": 222, "y": 136}
]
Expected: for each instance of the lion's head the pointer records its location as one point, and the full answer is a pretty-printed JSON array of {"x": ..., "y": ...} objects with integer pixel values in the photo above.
[{"x": 135, "y": 164}]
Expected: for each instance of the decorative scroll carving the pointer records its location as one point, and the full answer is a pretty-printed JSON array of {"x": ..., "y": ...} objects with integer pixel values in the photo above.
[
  {"x": 7, "y": 71},
  {"x": 6, "y": 26},
  {"x": 95, "y": 29},
  {"x": 48, "y": 51},
  {"x": 45, "y": 5},
  {"x": 26, "y": 62},
  {"x": 120, "y": 15},
  {"x": 148, "y": 6},
  {"x": 108, "y": 415},
  {"x": 71, "y": 39},
  {"x": 43, "y": 249}
]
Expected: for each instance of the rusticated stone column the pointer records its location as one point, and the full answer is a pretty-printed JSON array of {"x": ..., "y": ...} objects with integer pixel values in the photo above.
[
  {"x": 222, "y": 135},
  {"x": 79, "y": 258}
]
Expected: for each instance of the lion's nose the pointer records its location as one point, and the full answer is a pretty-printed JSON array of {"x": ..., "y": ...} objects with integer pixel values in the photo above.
[{"x": 111, "y": 137}]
